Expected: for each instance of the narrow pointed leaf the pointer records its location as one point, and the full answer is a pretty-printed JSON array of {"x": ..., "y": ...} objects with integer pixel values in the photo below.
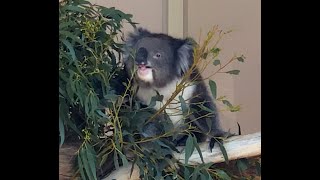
[
  {"x": 124, "y": 160},
  {"x": 189, "y": 148},
  {"x": 213, "y": 88},
  {"x": 235, "y": 72},
  {"x": 115, "y": 160},
  {"x": 70, "y": 48},
  {"x": 183, "y": 105},
  {"x": 242, "y": 165},
  {"x": 222, "y": 175},
  {"x": 91, "y": 155},
  {"x": 186, "y": 173},
  {"x": 61, "y": 131},
  {"x": 224, "y": 152},
  {"x": 80, "y": 164},
  {"x": 75, "y": 9},
  {"x": 198, "y": 148},
  {"x": 226, "y": 102},
  {"x": 84, "y": 159}
]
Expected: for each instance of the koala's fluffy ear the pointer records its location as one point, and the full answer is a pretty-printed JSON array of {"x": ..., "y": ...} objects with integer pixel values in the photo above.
[
  {"x": 132, "y": 39},
  {"x": 185, "y": 55}
]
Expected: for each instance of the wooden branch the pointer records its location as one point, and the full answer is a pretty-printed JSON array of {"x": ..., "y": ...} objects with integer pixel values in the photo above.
[
  {"x": 237, "y": 147},
  {"x": 244, "y": 146}
]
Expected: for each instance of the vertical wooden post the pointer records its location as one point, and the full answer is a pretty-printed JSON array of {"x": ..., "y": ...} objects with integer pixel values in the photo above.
[{"x": 176, "y": 18}]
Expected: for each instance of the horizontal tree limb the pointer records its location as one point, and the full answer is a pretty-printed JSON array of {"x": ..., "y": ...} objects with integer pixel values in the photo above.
[{"x": 237, "y": 147}]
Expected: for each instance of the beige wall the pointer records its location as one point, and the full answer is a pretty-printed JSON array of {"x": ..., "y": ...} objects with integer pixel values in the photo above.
[
  {"x": 148, "y": 13},
  {"x": 243, "y": 17}
]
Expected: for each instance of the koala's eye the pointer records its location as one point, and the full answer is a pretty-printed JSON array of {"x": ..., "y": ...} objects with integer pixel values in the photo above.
[{"x": 158, "y": 55}]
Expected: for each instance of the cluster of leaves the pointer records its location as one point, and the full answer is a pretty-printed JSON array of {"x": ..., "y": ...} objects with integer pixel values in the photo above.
[
  {"x": 94, "y": 92},
  {"x": 89, "y": 72}
]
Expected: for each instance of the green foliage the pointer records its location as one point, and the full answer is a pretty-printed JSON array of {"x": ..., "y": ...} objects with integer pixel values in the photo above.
[
  {"x": 95, "y": 95},
  {"x": 213, "y": 88},
  {"x": 87, "y": 161},
  {"x": 241, "y": 58},
  {"x": 235, "y": 72},
  {"x": 216, "y": 62},
  {"x": 89, "y": 69},
  {"x": 189, "y": 148}
]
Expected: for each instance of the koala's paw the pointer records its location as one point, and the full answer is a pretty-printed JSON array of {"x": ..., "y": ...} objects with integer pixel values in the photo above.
[{"x": 219, "y": 139}]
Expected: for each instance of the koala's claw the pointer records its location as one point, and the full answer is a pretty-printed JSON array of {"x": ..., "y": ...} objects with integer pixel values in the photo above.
[{"x": 219, "y": 139}]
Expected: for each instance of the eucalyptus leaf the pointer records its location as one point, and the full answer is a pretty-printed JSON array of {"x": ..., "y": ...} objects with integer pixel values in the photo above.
[
  {"x": 81, "y": 168},
  {"x": 203, "y": 177},
  {"x": 73, "y": 37},
  {"x": 66, "y": 24},
  {"x": 83, "y": 2},
  {"x": 195, "y": 173},
  {"x": 222, "y": 175},
  {"x": 216, "y": 62},
  {"x": 186, "y": 173},
  {"x": 189, "y": 148},
  {"x": 213, "y": 88},
  {"x": 111, "y": 97},
  {"x": 235, "y": 108},
  {"x": 204, "y": 55},
  {"x": 86, "y": 166},
  {"x": 75, "y": 128},
  {"x": 93, "y": 101},
  {"x": 206, "y": 109},
  {"x": 62, "y": 92},
  {"x": 87, "y": 105},
  {"x": 101, "y": 113},
  {"x": 164, "y": 142},
  {"x": 258, "y": 168},
  {"x": 91, "y": 155},
  {"x": 154, "y": 99},
  {"x": 115, "y": 160},
  {"x": 198, "y": 148},
  {"x": 124, "y": 160},
  {"x": 224, "y": 152},
  {"x": 71, "y": 50},
  {"x": 241, "y": 58},
  {"x": 61, "y": 131},
  {"x": 235, "y": 72},
  {"x": 215, "y": 51},
  {"x": 226, "y": 102},
  {"x": 184, "y": 107},
  {"x": 242, "y": 165},
  {"x": 75, "y": 9}
]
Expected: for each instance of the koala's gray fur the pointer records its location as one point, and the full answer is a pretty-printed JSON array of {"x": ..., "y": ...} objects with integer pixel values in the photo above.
[{"x": 162, "y": 61}]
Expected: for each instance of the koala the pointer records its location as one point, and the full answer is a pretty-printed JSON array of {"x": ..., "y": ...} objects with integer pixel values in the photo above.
[{"x": 161, "y": 62}]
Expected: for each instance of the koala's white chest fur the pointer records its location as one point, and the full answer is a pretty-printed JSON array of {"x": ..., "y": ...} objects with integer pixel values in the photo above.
[{"x": 174, "y": 108}]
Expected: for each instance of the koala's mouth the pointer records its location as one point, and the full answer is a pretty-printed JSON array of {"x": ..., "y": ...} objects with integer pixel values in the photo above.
[
  {"x": 144, "y": 70},
  {"x": 143, "y": 67}
]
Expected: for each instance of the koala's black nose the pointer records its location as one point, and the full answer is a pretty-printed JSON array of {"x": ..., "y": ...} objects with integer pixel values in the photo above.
[{"x": 141, "y": 56}]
